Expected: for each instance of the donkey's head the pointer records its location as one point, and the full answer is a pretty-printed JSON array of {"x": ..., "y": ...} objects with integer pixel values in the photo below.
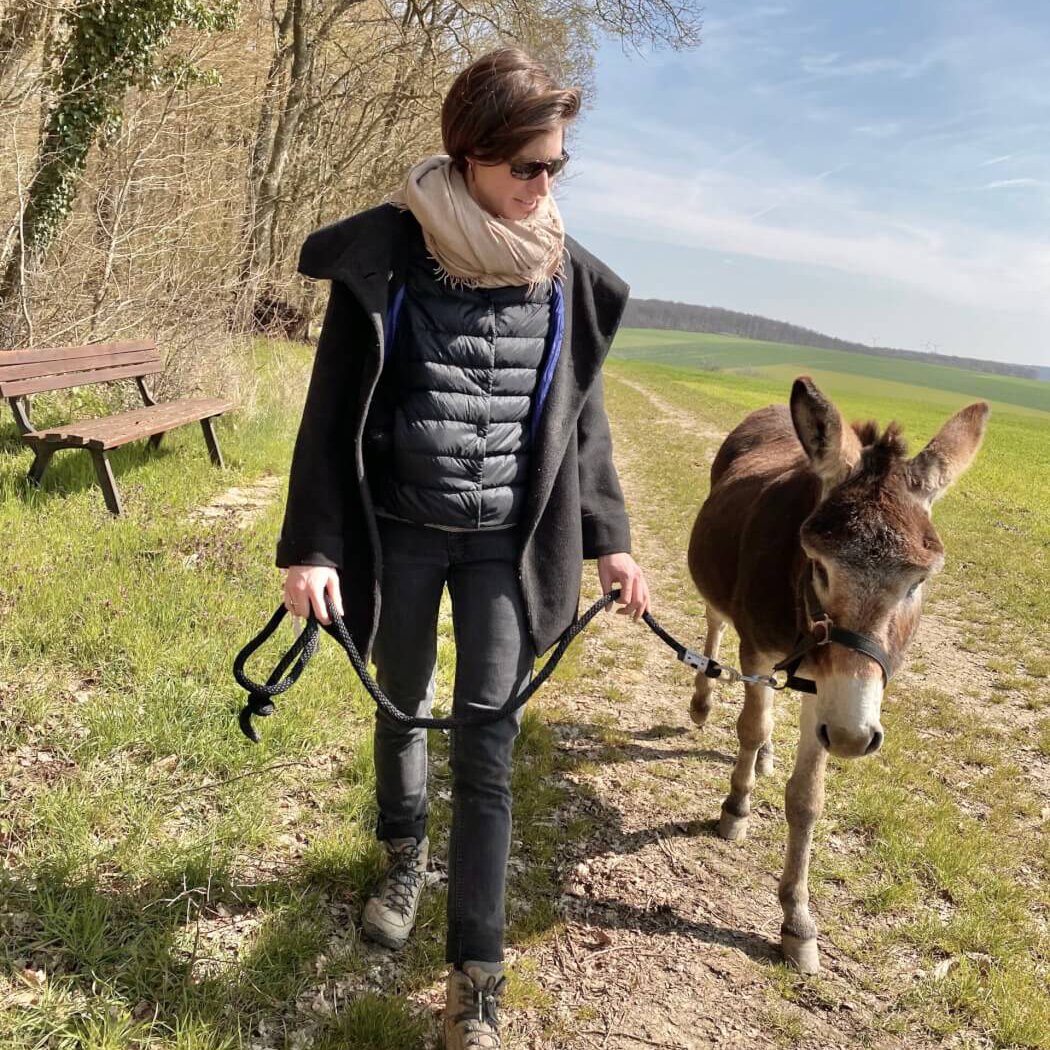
[{"x": 871, "y": 547}]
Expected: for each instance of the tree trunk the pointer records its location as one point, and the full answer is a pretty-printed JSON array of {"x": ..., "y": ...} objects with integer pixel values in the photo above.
[
  {"x": 280, "y": 118},
  {"x": 283, "y": 138}
]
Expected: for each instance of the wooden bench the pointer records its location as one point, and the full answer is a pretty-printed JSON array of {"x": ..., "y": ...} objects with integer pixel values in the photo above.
[{"x": 24, "y": 372}]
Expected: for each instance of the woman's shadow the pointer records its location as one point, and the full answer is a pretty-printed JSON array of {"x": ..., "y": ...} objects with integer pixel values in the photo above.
[{"x": 199, "y": 949}]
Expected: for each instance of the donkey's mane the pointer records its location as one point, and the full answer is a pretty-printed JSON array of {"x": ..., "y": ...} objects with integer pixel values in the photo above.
[{"x": 881, "y": 450}]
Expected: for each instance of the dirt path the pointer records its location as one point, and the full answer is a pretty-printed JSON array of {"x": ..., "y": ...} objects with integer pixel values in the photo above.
[
  {"x": 672, "y": 415},
  {"x": 668, "y": 935},
  {"x": 671, "y": 934}
]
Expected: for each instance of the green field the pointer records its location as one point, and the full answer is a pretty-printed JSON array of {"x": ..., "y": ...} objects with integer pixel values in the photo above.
[
  {"x": 165, "y": 885},
  {"x": 911, "y": 810},
  {"x": 997, "y": 522},
  {"x": 697, "y": 350}
]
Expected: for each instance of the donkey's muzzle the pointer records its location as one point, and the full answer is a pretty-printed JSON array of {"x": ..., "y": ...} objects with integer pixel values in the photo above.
[{"x": 854, "y": 742}]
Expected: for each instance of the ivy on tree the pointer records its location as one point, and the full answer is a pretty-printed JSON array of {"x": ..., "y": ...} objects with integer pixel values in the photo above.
[{"x": 110, "y": 46}]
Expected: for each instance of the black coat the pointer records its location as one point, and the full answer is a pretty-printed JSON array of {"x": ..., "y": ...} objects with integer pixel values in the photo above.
[{"x": 574, "y": 507}]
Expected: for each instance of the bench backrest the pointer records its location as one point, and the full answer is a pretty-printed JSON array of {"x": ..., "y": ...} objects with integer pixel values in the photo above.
[{"x": 60, "y": 367}]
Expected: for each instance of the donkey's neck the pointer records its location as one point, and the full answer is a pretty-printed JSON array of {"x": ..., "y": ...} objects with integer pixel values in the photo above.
[{"x": 773, "y": 567}]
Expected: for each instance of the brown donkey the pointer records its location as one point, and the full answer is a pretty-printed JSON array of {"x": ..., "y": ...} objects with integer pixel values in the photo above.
[{"x": 818, "y": 531}]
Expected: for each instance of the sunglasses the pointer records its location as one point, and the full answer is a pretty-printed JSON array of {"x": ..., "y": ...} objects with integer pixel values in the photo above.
[{"x": 529, "y": 169}]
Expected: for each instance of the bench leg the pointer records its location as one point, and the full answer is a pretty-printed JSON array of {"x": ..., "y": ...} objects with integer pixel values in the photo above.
[
  {"x": 212, "y": 441},
  {"x": 42, "y": 456},
  {"x": 104, "y": 473},
  {"x": 154, "y": 441}
]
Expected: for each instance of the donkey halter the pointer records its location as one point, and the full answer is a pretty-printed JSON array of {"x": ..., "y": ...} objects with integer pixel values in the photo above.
[{"x": 823, "y": 631}]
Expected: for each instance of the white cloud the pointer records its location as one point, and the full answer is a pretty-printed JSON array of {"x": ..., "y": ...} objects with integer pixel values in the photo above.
[
  {"x": 818, "y": 224},
  {"x": 820, "y": 66},
  {"x": 831, "y": 171},
  {"x": 1007, "y": 184},
  {"x": 825, "y": 61},
  {"x": 996, "y": 160}
]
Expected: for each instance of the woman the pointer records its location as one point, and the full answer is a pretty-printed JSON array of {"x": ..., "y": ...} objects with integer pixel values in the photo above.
[{"x": 455, "y": 434}]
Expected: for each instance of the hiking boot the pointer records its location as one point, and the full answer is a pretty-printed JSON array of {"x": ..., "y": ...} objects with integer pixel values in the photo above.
[
  {"x": 471, "y": 1004},
  {"x": 389, "y": 916}
]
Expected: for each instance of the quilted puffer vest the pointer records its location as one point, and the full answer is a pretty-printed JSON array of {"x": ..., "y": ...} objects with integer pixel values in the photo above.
[{"x": 463, "y": 384}]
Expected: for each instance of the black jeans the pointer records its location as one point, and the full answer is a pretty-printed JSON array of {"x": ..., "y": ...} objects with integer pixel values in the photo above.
[{"x": 494, "y": 659}]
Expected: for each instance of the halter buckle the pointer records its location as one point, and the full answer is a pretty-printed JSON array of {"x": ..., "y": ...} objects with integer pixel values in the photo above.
[{"x": 825, "y": 624}]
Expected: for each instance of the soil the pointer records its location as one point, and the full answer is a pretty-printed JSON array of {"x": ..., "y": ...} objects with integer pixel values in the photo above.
[
  {"x": 668, "y": 936},
  {"x": 241, "y": 505},
  {"x": 671, "y": 934}
]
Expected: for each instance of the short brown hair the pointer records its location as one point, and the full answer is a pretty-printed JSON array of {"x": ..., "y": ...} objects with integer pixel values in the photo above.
[{"x": 499, "y": 103}]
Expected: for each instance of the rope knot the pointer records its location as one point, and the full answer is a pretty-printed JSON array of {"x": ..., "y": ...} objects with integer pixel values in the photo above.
[{"x": 257, "y": 704}]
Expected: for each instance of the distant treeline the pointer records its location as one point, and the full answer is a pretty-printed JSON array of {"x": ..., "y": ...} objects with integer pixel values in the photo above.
[{"x": 686, "y": 317}]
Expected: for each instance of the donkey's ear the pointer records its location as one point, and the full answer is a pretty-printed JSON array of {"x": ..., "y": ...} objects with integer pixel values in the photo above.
[
  {"x": 948, "y": 454},
  {"x": 832, "y": 447}
]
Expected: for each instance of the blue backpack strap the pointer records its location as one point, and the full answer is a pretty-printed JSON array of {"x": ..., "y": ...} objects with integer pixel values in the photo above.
[
  {"x": 411, "y": 240},
  {"x": 390, "y": 328},
  {"x": 556, "y": 334}
]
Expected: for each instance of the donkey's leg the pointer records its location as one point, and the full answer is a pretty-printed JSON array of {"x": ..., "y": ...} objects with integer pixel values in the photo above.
[
  {"x": 804, "y": 802},
  {"x": 700, "y": 706},
  {"x": 753, "y": 729},
  {"x": 764, "y": 763}
]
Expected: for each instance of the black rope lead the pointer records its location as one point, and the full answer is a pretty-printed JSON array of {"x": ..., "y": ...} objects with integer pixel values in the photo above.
[{"x": 261, "y": 694}]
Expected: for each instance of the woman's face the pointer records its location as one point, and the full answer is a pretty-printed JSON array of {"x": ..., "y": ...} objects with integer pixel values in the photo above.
[{"x": 506, "y": 197}]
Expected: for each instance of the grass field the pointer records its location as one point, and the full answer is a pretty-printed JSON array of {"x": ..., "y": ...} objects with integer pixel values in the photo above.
[
  {"x": 166, "y": 885},
  {"x": 892, "y": 377},
  {"x": 1000, "y": 520},
  {"x": 163, "y": 882},
  {"x": 911, "y": 812}
]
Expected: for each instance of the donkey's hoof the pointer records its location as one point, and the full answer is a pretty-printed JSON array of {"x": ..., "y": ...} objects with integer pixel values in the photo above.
[
  {"x": 699, "y": 709},
  {"x": 801, "y": 953},
  {"x": 731, "y": 827}
]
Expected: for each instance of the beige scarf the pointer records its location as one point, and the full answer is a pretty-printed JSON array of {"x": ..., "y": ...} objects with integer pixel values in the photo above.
[{"x": 473, "y": 247}]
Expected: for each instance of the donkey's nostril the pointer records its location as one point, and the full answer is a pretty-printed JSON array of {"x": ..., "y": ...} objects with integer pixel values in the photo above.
[
  {"x": 822, "y": 733},
  {"x": 875, "y": 743}
]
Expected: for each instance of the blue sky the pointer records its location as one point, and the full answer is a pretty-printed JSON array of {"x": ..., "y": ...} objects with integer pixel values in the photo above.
[{"x": 879, "y": 172}]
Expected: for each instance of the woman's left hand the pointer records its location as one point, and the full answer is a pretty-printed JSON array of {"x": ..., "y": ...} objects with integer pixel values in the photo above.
[{"x": 623, "y": 571}]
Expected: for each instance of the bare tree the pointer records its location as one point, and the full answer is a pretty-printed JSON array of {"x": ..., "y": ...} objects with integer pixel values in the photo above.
[
  {"x": 109, "y": 46},
  {"x": 189, "y": 210}
]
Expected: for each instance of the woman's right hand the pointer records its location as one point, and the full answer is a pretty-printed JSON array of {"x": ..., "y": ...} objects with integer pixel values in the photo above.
[{"x": 305, "y": 587}]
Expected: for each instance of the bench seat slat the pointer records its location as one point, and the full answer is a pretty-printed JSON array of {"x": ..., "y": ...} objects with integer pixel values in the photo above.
[
  {"x": 42, "y": 384},
  {"x": 113, "y": 431}
]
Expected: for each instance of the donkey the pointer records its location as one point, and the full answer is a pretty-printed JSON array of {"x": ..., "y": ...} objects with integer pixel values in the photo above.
[{"x": 816, "y": 543}]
